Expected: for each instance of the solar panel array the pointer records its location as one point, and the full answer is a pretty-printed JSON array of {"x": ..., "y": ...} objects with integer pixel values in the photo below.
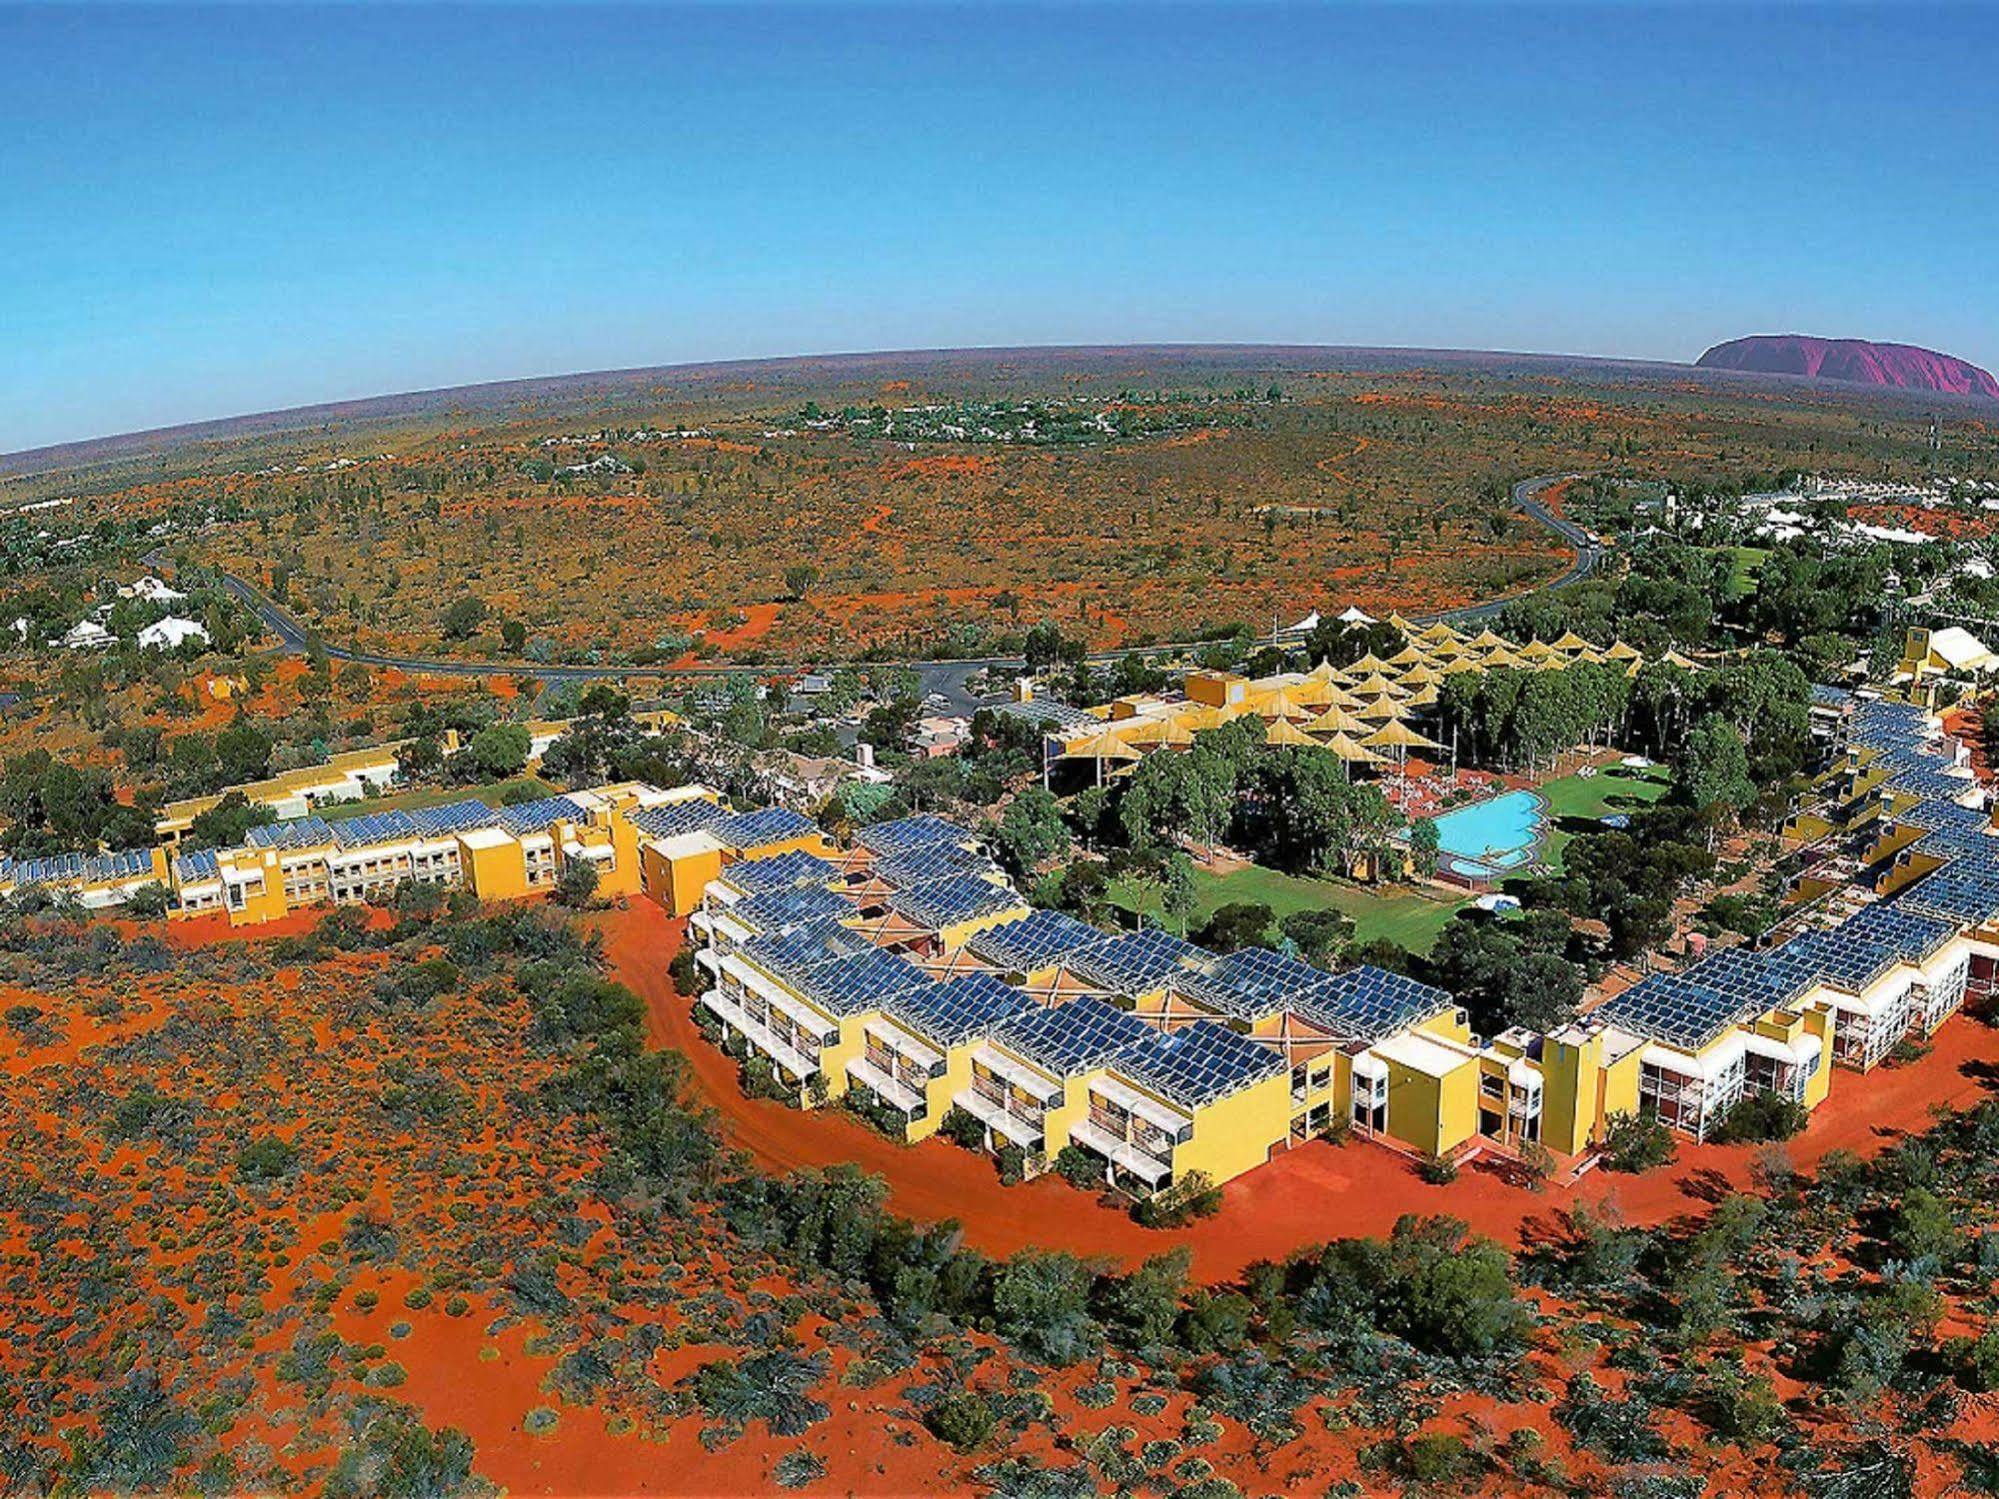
[
  {"x": 197, "y": 864},
  {"x": 1072, "y": 1038},
  {"x": 1672, "y": 1008},
  {"x": 695, "y": 815},
  {"x": 1199, "y": 1063},
  {"x": 1249, "y": 984},
  {"x": 932, "y": 861},
  {"x": 304, "y": 832},
  {"x": 961, "y": 1010},
  {"x": 797, "y": 906},
  {"x": 89, "y": 869},
  {"x": 1037, "y": 940},
  {"x": 1371, "y": 1004},
  {"x": 1137, "y": 962},
  {"x": 538, "y": 816},
  {"x": 941, "y": 903},
  {"x": 910, "y": 832},
  {"x": 768, "y": 825},
  {"x": 1048, "y": 713},
  {"x": 779, "y": 872}
]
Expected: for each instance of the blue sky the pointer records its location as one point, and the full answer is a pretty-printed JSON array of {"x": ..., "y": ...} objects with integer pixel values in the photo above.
[{"x": 206, "y": 211}]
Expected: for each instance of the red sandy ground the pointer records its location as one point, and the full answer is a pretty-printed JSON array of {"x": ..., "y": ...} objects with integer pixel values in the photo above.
[{"x": 1305, "y": 1195}]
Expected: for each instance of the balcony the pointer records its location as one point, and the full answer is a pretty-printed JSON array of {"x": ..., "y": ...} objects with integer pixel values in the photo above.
[
  {"x": 1122, "y": 1154},
  {"x": 885, "y": 1086},
  {"x": 1025, "y": 1133},
  {"x": 759, "y": 1035}
]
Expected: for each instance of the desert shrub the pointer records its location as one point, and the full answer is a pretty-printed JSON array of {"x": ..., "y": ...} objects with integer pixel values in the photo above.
[
  {"x": 797, "y": 1468},
  {"x": 1080, "y": 1168},
  {"x": 772, "y": 1387},
  {"x": 1186, "y": 1201},
  {"x": 1758, "y": 1117},
  {"x": 266, "y": 1158},
  {"x": 142, "y": 1437},
  {"x": 690, "y": 979},
  {"x": 1620, "y": 1430},
  {"x": 962, "y": 1127},
  {"x": 1921, "y": 1227},
  {"x": 964, "y": 1418},
  {"x": 1012, "y": 1161},
  {"x": 1430, "y": 1283},
  {"x": 541, "y": 1421},
  {"x": 1041, "y": 1301},
  {"x": 1634, "y": 1143},
  {"x": 397, "y": 1457},
  {"x": 1438, "y": 1171}
]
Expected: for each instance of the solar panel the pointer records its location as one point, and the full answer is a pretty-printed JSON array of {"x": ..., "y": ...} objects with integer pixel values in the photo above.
[
  {"x": 454, "y": 817},
  {"x": 798, "y": 906},
  {"x": 1197, "y": 1064},
  {"x": 951, "y": 1014},
  {"x": 372, "y": 829},
  {"x": 697, "y": 814},
  {"x": 1137, "y": 962},
  {"x": 779, "y": 872},
  {"x": 197, "y": 864},
  {"x": 932, "y": 861},
  {"x": 910, "y": 832},
  {"x": 1964, "y": 891},
  {"x": 125, "y": 864},
  {"x": 1670, "y": 1008},
  {"x": 305, "y": 832},
  {"x": 853, "y": 984},
  {"x": 1037, "y": 940},
  {"x": 1370, "y": 1003},
  {"x": 540, "y": 815},
  {"x": 941, "y": 903},
  {"x": 770, "y": 825},
  {"x": 1072, "y": 1038},
  {"x": 1249, "y": 984}
]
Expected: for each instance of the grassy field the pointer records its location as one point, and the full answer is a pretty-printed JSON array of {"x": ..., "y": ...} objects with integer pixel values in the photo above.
[
  {"x": 1748, "y": 563},
  {"x": 1592, "y": 797},
  {"x": 1406, "y": 919},
  {"x": 494, "y": 795}
]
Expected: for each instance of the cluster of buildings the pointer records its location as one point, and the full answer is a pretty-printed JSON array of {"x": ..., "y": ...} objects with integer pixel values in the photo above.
[
  {"x": 907, "y": 969},
  {"x": 1365, "y": 712}
]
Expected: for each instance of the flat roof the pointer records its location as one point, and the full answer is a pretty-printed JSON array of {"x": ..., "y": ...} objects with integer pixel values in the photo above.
[{"x": 1429, "y": 1055}]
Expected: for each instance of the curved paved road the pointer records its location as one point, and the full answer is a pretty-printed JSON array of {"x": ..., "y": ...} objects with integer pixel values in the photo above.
[{"x": 947, "y": 678}]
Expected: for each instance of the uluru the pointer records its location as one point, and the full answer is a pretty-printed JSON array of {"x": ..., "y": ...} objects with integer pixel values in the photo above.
[{"x": 1856, "y": 361}]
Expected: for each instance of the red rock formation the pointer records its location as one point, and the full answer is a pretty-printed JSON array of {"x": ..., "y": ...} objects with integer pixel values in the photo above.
[{"x": 1855, "y": 360}]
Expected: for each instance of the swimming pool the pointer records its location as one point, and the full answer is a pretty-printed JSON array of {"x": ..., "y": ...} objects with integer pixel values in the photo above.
[{"x": 1492, "y": 838}]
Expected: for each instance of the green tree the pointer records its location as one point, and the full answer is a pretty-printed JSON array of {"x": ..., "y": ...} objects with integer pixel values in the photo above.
[
  {"x": 1179, "y": 895},
  {"x": 1031, "y": 831},
  {"x": 499, "y": 750},
  {"x": 463, "y": 617}
]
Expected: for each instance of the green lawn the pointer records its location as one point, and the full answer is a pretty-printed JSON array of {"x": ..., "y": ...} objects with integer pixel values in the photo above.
[
  {"x": 1748, "y": 562},
  {"x": 1406, "y": 919},
  {"x": 1610, "y": 790},
  {"x": 494, "y": 795}
]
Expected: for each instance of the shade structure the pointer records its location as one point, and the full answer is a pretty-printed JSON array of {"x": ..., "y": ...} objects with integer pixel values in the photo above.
[
  {"x": 1462, "y": 665},
  {"x": 1353, "y": 751},
  {"x": 1292, "y": 700},
  {"x": 1617, "y": 650},
  {"x": 1376, "y": 685},
  {"x": 1159, "y": 733},
  {"x": 1368, "y": 663},
  {"x": 1423, "y": 697},
  {"x": 1535, "y": 650},
  {"x": 1337, "y": 720},
  {"x": 1199, "y": 716},
  {"x": 1399, "y": 736},
  {"x": 1409, "y": 655},
  {"x": 1437, "y": 634},
  {"x": 1422, "y": 674},
  {"x": 1284, "y": 731},
  {"x": 1108, "y": 744},
  {"x": 1381, "y": 710},
  {"x": 1571, "y": 642},
  {"x": 1487, "y": 640}
]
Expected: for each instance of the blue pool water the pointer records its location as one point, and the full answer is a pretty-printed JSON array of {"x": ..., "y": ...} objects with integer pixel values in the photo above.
[{"x": 1491, "y": 838}]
